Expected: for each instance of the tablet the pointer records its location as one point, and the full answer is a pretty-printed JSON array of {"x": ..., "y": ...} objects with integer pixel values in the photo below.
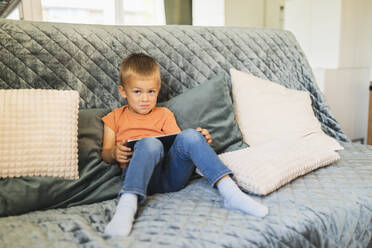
[{"x": 167, "y": 141}]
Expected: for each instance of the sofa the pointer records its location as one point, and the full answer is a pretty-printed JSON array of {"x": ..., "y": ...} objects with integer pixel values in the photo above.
[{"x": 328, "y": 207}]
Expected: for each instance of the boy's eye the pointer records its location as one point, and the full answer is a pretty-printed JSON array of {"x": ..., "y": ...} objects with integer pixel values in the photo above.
[
  {"x": 152, "y": 91},
  {"x": 137, "y": 91}
]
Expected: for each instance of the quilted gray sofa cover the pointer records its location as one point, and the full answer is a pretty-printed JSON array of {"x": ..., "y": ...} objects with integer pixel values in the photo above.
[
  {"x": 87, "y": 58},
  {"x": 330, "y": 207}
]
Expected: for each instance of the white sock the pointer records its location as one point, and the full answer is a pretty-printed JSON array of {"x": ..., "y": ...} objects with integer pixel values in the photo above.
[
  {"x": 122, "y": 221},
  {"x": 234, "y": 198}
]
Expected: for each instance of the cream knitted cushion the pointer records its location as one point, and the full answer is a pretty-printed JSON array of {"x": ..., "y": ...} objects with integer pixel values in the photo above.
[
  {"x": 263, "y": 168},
  {"x": 266, "y": 111},
  {"x": 38, "y": 133}
]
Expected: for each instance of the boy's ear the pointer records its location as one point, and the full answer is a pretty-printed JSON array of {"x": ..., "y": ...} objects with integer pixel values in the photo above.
[{"x": 122, "y": 91}]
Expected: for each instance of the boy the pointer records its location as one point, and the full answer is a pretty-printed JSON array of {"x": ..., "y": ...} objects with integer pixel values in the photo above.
[{"x": 147, "y": 169}]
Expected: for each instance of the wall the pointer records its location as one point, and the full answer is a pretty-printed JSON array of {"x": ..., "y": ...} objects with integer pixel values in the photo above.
[
  {"x": 316, "y": 24},
  {"x": 253, "y": 13},
  {"x": 355, "y": 35},
  {"x": 337, "y": 40},
  {"x": 354, "y": 65},
  {"x": 346, "y": 90},
  {"x": 31, "y": 10},
  {"x": 208, "y": 12},
  {"x": 274, "y": 13},
  {"x": 244, "y": 13}
]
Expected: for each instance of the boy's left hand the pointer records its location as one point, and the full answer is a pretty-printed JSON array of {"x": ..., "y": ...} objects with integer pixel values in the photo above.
[{"x": 205, "y": 133}]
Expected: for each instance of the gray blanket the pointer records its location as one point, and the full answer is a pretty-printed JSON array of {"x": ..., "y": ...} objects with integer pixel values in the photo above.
[{"x": 330, "y": 207}]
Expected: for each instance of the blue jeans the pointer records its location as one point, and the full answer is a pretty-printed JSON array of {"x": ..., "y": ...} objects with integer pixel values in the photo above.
[{"x": 151, "y": 171}]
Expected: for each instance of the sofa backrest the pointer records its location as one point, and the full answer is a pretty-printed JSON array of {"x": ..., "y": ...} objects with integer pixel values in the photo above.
[{"x": 87, "y": 57}]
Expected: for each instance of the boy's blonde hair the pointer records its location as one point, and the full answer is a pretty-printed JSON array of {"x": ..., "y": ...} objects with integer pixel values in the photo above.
[{"x": 138, "y": 65}]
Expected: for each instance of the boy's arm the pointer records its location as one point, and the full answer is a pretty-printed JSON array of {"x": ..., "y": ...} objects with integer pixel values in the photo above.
[
  {"x": 112, "y": 152},
  {"x": 108, "y": 145}
]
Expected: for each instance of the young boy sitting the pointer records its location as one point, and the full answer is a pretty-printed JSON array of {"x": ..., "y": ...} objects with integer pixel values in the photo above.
[{"x": 149, "y": 169}]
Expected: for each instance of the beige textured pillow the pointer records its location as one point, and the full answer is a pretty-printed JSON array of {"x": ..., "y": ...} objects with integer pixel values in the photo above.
[
  {"x": 38, "y": 133},
  {"x": 266, "y": 111},
  {"x": 263, "y": 168}
]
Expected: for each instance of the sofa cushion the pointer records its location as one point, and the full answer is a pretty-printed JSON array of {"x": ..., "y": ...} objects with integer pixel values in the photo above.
[
  {"x": 38, "y": 133},
  {"x": 264, "y": 168},
  {"x": 209, "y": 106},
  {"x": 266, "y": 111}
]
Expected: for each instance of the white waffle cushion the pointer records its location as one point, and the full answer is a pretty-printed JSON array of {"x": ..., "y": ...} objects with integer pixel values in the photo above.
[
  {"x": 38, "y": 133},
  {"x": 263, "y": 168}
]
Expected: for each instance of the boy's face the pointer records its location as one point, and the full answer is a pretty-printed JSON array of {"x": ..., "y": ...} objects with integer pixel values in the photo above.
[{"x": 141, "y": 94}]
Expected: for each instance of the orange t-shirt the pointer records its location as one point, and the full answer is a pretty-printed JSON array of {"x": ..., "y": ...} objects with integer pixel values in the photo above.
[{"x": 128, "y": 125}]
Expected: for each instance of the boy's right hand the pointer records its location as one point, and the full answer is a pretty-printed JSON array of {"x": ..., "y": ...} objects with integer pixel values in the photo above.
[{"x": 121, "y": 153}]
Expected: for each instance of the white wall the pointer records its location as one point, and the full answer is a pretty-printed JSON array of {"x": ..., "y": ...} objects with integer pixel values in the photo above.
[
  {"x": 352, "y": 75},
  {"x": 208, "y": 12},
  {"x": 337, "y": 39},
  {"x": 347, "y": 94},
  {"x": 297, "y": 19},
  {"x": 325, "y": 33},
  {"x": 355, "y": 36},
  {"x": 316, "y": 24}
]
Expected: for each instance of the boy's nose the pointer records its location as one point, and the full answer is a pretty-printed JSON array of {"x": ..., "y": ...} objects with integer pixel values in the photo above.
[{"x": 145, "y": 97}]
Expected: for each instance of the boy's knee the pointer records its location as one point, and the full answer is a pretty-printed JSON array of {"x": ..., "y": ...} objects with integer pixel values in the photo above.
[
  {"x": 151, "y": 145},
  {"x": 191, "y": 136}
]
